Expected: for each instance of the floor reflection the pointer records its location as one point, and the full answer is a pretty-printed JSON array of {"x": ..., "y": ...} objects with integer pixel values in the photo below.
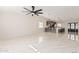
[
  {"x": 33, "y": 48},
  {"x": 73, "y": 36},
  {"x": 40, "y": 39}
]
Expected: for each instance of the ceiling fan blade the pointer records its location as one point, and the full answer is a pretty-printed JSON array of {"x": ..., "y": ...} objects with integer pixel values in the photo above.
[
  {"x": 36, "y": 14},
  {"x": 33, "y": 8},
  {"x": 27, "y": 9},
  {"x": 38, "y": 10}
]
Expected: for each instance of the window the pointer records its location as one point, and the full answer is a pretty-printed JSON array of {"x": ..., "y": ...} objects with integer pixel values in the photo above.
[
  {"x": 59, "y": 25},
  {"x": 72, "y": 26},
  {"x": 40, "y": 24}
]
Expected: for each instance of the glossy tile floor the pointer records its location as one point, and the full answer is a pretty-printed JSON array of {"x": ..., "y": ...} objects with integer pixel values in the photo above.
[{"x": 42, "y": 43}]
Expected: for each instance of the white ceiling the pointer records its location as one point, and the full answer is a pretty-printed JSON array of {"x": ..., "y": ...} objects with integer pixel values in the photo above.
[{"x": 51, "y": 12}]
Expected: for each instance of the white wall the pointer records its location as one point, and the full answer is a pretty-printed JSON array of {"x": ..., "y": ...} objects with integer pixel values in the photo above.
[{"x": 13, "y": 23}]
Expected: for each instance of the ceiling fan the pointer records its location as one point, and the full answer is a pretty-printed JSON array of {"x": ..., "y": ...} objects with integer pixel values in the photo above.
[{"x": 33, "y": 11}]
